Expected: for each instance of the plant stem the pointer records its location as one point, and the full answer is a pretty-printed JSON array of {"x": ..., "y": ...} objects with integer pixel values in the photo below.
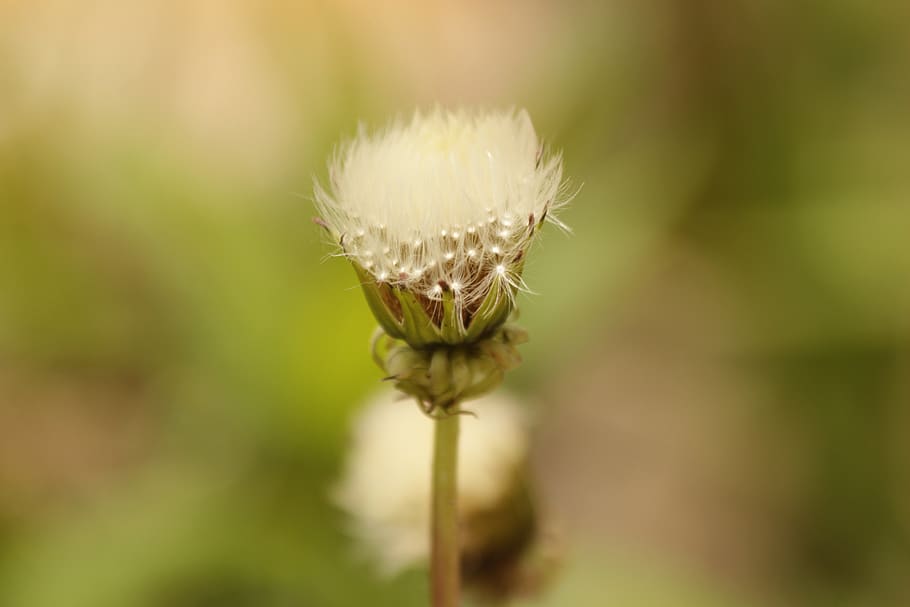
[{"x": 445, "y": 553}]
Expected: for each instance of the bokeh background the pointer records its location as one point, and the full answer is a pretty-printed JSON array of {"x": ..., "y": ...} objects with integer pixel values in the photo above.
[{"x": 720, "y": 355}]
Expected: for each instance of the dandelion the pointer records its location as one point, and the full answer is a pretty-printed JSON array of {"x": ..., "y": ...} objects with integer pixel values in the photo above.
[
  {"x": 437, "y": 217},
  {"x": 384, "y": 489}
]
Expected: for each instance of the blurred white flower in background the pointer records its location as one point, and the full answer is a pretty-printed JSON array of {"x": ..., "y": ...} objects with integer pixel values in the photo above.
[{"x": 386, "y": 482}]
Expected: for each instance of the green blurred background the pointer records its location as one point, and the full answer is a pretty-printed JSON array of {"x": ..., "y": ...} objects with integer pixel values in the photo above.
[{"x": 720, "y": 353}]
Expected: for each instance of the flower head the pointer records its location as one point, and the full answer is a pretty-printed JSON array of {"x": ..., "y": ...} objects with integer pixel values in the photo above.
[
  {"x": 437, "y": 216},
  {"x": 386, "y": 483}
]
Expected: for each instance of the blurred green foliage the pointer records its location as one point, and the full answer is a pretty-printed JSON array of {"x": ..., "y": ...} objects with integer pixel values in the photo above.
[{"x": 179, "y": 360}]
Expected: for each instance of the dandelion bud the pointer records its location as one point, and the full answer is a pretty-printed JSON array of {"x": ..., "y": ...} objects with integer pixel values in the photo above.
[{"x": 437, "y": 217}]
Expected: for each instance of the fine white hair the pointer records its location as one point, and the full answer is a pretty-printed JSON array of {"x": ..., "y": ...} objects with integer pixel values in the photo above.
[{"x": 450, "y": 199}]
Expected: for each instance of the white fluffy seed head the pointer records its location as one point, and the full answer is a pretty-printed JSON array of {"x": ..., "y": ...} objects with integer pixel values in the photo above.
[
  {"x": 449, "y": 196},
  {"x": 385, "y": 488}
]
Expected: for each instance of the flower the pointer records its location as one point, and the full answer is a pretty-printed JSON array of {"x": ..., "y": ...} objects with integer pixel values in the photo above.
[
  {"x": 385, "y": 486},
  {"x": 437, "y": 216}
]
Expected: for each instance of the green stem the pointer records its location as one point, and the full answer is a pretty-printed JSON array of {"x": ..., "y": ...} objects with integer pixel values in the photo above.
[{"x": 445, "y": 553}]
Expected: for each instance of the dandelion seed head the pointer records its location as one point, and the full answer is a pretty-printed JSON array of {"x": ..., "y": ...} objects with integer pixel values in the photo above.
[
  {"x": 442, "y": 192},
  {"x": 385, "y": 490}
]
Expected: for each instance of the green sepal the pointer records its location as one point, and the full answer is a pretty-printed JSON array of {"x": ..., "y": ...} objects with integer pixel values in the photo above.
[
  {"x": 441, "y": 375},
  {"x": 419, "y": 330},
  {"x": 383, "y": 315},
  {"x": 493, "y": 311},
  {"x": 452, "y": 329}
]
